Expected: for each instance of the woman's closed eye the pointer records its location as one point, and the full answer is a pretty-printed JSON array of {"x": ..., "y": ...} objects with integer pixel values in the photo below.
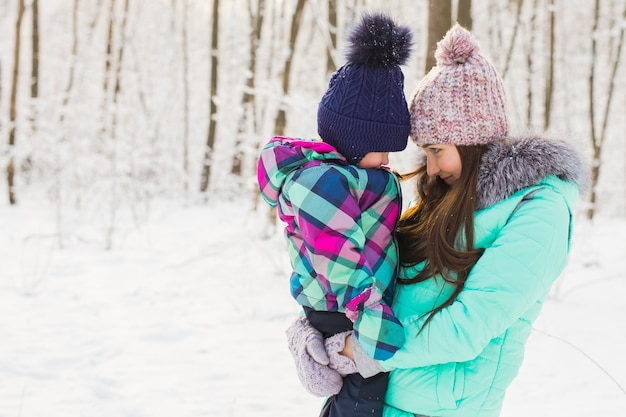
[{"x": 434, "y": 150}]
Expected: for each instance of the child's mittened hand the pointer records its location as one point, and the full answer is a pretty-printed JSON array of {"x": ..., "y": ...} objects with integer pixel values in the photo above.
[{"x": 306, "y": 345}]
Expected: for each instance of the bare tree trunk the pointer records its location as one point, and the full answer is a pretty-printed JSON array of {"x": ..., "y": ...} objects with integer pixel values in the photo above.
[
  {"x": 530, "y": 54},
  {"x": 34, "y": 73},
  {"x": 62, "y": 113},
  {"x": 332, "y": 29},
  {"x": 518, "y": 20},
  {"x": 248, "y": 118},
  {"x": 96, "y": 17},
  {"x": 185, "y": 51},
  {"x": 0, "y": 92},
  {"x": 549, "y": 88},
  {"x": 25, "y": 165},
  {"x": 439, "y": 21},
  {"x": 10, "y": 169},
  {"x": 208, "y": 152},
  {"x": 495, "y": 30},
  {"x": 464, "y": 14},
  {"x": 108, "y": 63},
  {"x": 116, "y": 93},
  {"x": 595, "y": 165},
  {"x": 281, "y": 117},
  {"x": 118, "y": 68},
  {"x": 598, "y": 133}
]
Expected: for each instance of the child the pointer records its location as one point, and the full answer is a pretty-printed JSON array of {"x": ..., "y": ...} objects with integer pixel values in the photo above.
[{"x": 341, "y": 204}]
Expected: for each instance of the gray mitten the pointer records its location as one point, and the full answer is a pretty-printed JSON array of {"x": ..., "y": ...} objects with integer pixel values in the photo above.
[
  {"x": 306, "y": 345},
  {"x": 339, "y": 362}
]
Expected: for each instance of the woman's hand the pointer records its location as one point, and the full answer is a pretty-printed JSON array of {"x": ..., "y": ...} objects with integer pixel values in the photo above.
[
  {"x": 347, "y": 348},
  {"x": 335, "y": 346}
]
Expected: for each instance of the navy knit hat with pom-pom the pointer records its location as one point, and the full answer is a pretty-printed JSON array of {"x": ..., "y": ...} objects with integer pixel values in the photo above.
[{"x": 364, "y": 109}]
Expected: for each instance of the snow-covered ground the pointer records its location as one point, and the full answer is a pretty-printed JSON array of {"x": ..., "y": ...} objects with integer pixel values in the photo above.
[{"x": 185, "y": 317}]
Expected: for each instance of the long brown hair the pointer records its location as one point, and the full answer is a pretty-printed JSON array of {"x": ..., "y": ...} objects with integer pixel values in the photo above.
[{"x": 439, "y": 229}]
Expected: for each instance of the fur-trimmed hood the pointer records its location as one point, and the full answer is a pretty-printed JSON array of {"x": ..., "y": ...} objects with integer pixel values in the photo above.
[{"x": 512, "y": 164}]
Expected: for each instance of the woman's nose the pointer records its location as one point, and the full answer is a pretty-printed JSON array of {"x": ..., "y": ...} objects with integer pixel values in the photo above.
[{"x": 431, "y": 168}]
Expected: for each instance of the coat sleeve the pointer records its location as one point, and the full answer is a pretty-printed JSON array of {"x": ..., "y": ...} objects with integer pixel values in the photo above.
[
  {"x": 513, "y": 274},
  {"x": 328, "y": 214}
]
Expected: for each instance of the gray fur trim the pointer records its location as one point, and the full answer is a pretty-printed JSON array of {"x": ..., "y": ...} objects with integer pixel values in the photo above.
[{"x": 515, "y": 163}]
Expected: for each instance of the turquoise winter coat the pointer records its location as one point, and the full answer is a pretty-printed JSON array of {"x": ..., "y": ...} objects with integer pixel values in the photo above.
[{"x": 466, "y": 357}]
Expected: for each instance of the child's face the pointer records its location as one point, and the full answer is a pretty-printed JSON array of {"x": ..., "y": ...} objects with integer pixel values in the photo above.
[
  {"x": 374, "y": 160},
  {"x": 443, "y": 161}
]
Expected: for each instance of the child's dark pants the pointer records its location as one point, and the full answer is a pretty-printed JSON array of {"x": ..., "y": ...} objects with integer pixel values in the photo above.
[{"x": 359, "y": 397}]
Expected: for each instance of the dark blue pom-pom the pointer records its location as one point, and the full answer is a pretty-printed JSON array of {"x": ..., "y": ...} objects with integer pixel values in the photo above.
[{"x": 378, "y": 42}]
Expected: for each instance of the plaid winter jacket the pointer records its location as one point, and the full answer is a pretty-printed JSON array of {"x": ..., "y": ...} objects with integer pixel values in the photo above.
[{"x": 340, "y": 223}]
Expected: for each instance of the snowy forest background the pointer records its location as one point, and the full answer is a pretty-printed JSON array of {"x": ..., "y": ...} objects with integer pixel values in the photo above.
[
  {"x": 116, "y": 103},
  {"x": 132, "y": 238}
]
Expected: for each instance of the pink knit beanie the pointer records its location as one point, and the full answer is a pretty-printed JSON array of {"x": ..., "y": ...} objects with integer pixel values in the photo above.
[{"x": 461, "y": 100}]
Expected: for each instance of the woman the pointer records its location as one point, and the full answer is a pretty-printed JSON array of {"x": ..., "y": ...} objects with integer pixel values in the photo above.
[{"x": 480, "y": 248}]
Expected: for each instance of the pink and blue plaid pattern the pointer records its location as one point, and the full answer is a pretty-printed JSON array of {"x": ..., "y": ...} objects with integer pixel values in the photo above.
[{"x": 339, "y": 224}]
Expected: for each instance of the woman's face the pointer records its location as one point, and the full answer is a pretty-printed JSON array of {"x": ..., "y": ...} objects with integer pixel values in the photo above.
[{"x": 443, "y": 161}]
